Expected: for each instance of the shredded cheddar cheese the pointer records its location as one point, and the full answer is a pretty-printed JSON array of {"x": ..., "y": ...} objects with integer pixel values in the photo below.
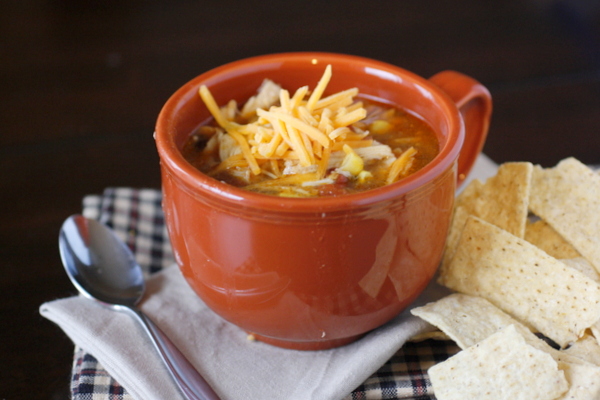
[
  {"x": 299, "y": 138},
  {"x": 401, "y": 165}
]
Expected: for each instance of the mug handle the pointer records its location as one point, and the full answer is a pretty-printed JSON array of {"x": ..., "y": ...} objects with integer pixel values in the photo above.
[{"x": 475, "y": 105}]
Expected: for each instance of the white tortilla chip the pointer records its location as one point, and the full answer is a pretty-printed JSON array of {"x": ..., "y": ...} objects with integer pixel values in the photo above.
[
  {"x": 586, "y": 348},
  {"x": 502, "y": 367},
  {"x": 542, "y": 235},
  {"x": 524, "y": 281},
  {"x": 502, "y": 200},
  {"x": 468, "y": 197},
  {"x": 469, "y": 319},
  {"x": 582, "y": 265},
  {"x": 583, "y": 379},
  {"x": 568, "y": 198}
]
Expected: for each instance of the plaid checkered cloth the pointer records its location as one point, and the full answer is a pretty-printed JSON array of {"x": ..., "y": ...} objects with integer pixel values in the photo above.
[{"x": 136, "y": 216}]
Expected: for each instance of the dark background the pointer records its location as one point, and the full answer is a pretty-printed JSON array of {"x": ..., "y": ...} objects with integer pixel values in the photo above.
[{"x": 81, "y": 84}]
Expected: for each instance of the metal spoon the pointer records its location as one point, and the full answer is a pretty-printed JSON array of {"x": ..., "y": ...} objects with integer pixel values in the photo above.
[{"x": 103, "y": 268}]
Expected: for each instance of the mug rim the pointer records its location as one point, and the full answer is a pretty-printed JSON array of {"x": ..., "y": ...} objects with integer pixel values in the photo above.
[{"x": 172, "y": 158}]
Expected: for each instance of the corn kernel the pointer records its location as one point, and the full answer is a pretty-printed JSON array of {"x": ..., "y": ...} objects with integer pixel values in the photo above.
[
  {"x": 352, "y": 162},
  {"x": 364, "y": 175},
  {"x": 379, "y": 126}
]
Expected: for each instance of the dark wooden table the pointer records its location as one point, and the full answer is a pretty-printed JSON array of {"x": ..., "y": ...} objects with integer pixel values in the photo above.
[{"x": 81, "y": 84}]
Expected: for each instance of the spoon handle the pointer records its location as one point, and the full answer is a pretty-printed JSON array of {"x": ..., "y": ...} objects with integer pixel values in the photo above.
[{"x": 191, "y": 383}]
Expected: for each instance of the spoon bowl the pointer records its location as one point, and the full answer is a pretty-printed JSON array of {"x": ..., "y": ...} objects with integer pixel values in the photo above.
[
  {"x": 98, "y": 263},
  {"x": 103, "y": 269}
]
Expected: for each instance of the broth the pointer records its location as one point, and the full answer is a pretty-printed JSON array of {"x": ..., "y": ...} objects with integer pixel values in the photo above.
[{"x": 301, "y": 147}]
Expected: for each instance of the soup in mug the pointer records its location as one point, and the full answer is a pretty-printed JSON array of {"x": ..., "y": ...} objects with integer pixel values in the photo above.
[{"x": 307, "y": 145}]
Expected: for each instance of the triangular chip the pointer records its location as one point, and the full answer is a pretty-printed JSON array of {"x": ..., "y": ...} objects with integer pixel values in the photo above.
[
  {"x": 583, "y": 379},
  {"x": 468, "y": 320},
  {"x": 587, "y": 348},
  {"x": 524, "y": 281},
  {"x": 542, "y": 235},
  {"x": 502, "y": 200},
  {"x": 470, "y": 194},
  {"x": 502, "y": 367},
  {"x": 582, "y": 265},
  {"x": 568, "y": 198}
]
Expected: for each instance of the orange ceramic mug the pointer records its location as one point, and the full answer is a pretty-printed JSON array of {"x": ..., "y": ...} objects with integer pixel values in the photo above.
[{"x": 315, "y": 273}]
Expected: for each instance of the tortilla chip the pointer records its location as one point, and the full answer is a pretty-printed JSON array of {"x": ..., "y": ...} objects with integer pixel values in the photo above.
[
  {"x": 502, "y": 200},
  {"x": 582, "y": 265},
  {"x": 542, "y": 235},
  {"x": 587, "y": 348},
  {"x": 524, "y": 281},
  {"x": 568, "y": 198},
  {"x": 468, "y": 319},
  {"x": 503, "y": 366},
  {"x": 583, "y": 379},
  {"x": 468, "y": 197}
]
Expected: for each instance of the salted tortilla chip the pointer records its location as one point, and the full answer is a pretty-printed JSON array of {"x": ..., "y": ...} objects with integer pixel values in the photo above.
[
  {"x": 502, "y": 200},
  {"x": 468, "y": 320},
  {"x": 542, "y": 235},
  {"x": 503, "y": 366},
  {"x": 583, "y": 380},
  {"x": 468, "y": 197},
  {"x": 568, "y": 198},
  {"x": 582, "y": 265},
  {"x": 587, "y": 348},
  {"x": 524, "y": 281}
]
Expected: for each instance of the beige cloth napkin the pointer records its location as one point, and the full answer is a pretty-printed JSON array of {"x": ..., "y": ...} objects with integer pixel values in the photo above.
[{"x": 234, "y": 366}]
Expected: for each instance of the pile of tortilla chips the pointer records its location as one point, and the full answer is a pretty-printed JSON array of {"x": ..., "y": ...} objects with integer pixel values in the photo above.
[{"x": 523, "y": 256}]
